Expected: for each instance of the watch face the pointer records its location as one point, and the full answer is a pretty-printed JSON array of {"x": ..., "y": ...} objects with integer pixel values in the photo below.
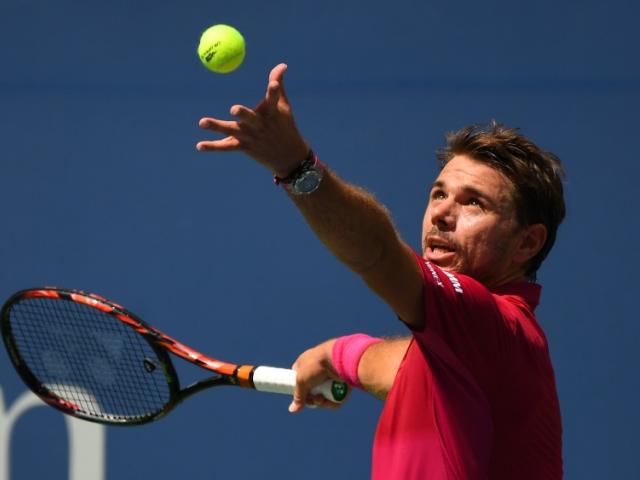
[{"x": 307, "y": 182}]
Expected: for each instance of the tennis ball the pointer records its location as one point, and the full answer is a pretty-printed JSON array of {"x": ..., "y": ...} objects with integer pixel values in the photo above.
[{"x": 221, "y": 48}]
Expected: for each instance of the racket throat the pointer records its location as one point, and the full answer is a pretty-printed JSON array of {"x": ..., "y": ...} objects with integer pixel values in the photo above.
[{"x": 243, "y": 376}]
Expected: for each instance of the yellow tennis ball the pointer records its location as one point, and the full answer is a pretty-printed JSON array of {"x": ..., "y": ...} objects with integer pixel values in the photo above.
[{"x": 221, "y": 48}]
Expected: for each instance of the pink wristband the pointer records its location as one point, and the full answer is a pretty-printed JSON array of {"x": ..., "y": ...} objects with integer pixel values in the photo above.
[{"x": 346, "y": 354}]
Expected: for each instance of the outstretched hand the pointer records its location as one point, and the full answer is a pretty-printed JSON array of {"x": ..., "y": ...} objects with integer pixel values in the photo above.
[{"x": 267, "y": 133}]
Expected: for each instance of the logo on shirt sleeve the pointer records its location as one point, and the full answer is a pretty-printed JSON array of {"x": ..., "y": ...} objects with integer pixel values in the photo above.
[
  {"x": 434, "y": 274},
  {"x": 452, "y": 278},
  {"x": 454, "y": 282}
]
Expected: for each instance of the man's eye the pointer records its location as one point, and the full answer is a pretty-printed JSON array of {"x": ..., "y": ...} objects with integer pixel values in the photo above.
[
  {"x": 475, "y": 202},
  {"x": 438, "y": 195}
]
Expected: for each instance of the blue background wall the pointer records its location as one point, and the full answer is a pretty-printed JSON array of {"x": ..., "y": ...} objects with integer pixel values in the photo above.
[{"x": 102, "y": 189}]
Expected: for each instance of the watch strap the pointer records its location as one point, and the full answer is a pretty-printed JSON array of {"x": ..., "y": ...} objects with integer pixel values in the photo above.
[{"x": 310, "y": 161}]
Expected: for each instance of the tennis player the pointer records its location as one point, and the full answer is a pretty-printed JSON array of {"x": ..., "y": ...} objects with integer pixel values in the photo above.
[{"x": 470, "y": 394}]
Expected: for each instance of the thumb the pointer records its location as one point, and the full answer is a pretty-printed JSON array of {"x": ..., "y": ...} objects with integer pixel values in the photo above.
[
  {"x": 277, "y": 73},
  {"x": 295, "y": 407},
  {"x": 272, "y": 97},
  {"x": 277, "y": 76}
]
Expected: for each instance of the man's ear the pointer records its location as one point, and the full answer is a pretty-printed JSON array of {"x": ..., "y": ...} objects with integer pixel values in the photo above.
[{"x": 532, "y": 239}]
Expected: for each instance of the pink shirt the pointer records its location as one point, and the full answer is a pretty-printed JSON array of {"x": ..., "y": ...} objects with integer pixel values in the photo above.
[{"x": 475, "y": 396}]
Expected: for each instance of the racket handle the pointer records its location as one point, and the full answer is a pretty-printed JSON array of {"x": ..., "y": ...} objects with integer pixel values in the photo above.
[{"x": 283, "y": 380}]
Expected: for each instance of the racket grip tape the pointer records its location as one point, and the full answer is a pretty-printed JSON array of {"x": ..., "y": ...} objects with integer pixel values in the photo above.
[{"x": 283, "y": 380}]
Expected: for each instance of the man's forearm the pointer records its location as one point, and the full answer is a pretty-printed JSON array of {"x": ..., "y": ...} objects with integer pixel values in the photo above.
[
  {"x": 358, "y": 230},
  {"x": 350, "y": 222}
]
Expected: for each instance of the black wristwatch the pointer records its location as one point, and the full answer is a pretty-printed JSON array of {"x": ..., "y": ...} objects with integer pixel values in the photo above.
[{"x": 305, "y": 179}]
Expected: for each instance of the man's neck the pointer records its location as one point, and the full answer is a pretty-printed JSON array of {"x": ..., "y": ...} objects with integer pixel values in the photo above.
[{"x": 515, "y": 277}]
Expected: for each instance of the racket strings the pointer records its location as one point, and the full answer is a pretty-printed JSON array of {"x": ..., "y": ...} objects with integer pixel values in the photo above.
[{"x": 88, "y": 358}]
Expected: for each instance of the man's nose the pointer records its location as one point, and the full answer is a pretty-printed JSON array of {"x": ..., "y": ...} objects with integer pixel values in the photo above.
[{"x": 443, "y": 215}]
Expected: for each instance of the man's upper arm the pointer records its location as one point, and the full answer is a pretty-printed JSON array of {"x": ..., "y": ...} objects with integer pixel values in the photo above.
[{"x": 398, "y": 279}]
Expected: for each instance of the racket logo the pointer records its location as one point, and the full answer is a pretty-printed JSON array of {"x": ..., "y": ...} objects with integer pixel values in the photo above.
[{"x": 149, "y": 365}]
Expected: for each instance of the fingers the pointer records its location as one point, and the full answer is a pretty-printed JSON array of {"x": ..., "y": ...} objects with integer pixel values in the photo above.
[
  {"x": 300, "y": 391},
  {"x": 220, "y": 126},
  {"x": 235, "y": 131},
  {"x": 314, "y": 401},
  {"x": 230, "y": 142},
  {"x": 245, "y": 115},
  {"x": 225, "y": 145},
  {"x": 275, "y": 87},
  {"x": 299, "y": 398},
  {"x": 320, "y": 401},
  {"x": 267, "y": 133}
]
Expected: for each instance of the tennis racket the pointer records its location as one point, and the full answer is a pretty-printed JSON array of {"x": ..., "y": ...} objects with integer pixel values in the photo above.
[{"x": 93, "y": 359}]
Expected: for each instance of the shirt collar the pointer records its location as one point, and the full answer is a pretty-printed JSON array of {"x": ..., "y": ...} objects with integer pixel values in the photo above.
[{"x": 529, "y": 292}]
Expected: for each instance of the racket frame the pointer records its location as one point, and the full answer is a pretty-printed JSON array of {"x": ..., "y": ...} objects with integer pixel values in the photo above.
[{"x": 224, "y": 373}]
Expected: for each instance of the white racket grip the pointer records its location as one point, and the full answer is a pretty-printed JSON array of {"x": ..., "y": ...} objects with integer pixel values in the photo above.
[{"x": 283, "y": 380}]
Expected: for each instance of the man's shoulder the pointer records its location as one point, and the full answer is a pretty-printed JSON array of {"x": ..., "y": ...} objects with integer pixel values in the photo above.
[{"x": 517, "y": 303}]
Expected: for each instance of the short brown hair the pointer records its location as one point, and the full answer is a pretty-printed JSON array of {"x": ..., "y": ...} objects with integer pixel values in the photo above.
[{"x": 536, "y": 175}]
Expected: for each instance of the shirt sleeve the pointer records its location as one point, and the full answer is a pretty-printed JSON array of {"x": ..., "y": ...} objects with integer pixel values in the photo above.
[{"x": 463, "y": 325}]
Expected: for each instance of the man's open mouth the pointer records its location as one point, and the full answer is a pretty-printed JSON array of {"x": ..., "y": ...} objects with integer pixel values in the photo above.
[{"x": 439, "y": 245}]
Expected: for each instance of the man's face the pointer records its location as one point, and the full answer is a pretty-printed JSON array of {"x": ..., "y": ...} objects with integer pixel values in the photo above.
[{"x": 470, "y": 224}]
